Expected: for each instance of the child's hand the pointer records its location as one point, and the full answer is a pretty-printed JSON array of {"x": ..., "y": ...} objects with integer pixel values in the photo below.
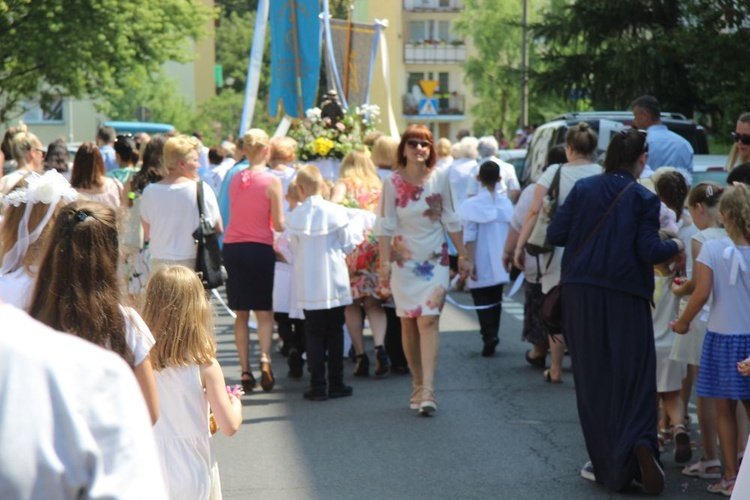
[
  {"x": 235, "y": 391},
  {"x": 744, "y": 367},
  {"x": 679, "y": 326}
]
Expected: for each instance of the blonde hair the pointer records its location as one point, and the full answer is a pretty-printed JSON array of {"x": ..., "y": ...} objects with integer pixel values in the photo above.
[
  {"x": 22, "y": 144},
  {"x": 326, "y": 189},
  {"x": 291, "y": 191},
  {"x": 310, "y": 179},
  {"x": 177, "y": 148},
  {"x": 357, "y": 168},
  {"x": 283, "y": 150},
  {"x": 9, "y": 230},
  {"x": 180, "y": 318},
  {"x": 385, "y": 152},
  {"x": 443, "y": 147},
  {"x": 372, "y": 137},
  {"x": 735, "y": 208},
  {"x": 255, "y": 141}
]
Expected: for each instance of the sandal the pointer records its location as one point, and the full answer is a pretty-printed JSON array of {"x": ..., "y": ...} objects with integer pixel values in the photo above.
[
  {"x": 724, "y": 486},
  {"x": 428, "y": 404},
  {"x": 701, "y": 469},
  {"x": 267, "y": 381},
  {"x": 548, "y": 378},
  {"x": 682, "y": 451},
  {"x": 539, "y": 362},
  {"x": 416, "y": 398},
  {"x": 248, "y": 384}
]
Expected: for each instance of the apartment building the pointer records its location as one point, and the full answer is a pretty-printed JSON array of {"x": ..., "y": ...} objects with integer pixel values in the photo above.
[{"x": 422, "y": 47}]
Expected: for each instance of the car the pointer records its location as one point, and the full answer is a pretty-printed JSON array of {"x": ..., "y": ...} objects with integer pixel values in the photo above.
[
  {"x": 515, "y": 157},
  {"x": 605, "y": 123},
  {"x": 710, "y": 168},
  {"x": 135, "y": 127}
]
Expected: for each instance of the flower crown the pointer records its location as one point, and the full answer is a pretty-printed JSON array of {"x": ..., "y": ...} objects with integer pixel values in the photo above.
[{"x": 49, "y": 189}]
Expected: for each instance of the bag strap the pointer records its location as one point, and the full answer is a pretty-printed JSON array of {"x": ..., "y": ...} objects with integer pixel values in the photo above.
[
  {"x": 199, "y": 192},
  {"x": 554, "y": 187},
  {"x": 597, "y": 227}
]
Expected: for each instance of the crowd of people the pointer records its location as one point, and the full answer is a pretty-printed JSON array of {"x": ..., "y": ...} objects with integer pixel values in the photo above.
[{"x": 652, "y": 273}]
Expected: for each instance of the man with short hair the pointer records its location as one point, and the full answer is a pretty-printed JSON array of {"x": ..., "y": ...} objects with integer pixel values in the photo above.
[
  {"x": 665, "y": 148},
  {"x": 105, "y": 139}
]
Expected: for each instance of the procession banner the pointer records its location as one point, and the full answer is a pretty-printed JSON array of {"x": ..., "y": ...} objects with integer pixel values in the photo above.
[
  {"x": 295, "y": 56},
  {"x": 352, "y": 45},
  {"x": 254, "y": 68}
]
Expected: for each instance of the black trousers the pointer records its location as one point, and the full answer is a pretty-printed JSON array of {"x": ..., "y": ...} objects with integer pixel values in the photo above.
[
  {"x": 291, "y": 331},
  {"x": 393, "y": 345},
  {"x": 324, "y": 329},
  {"x": 489, "y": 319}
]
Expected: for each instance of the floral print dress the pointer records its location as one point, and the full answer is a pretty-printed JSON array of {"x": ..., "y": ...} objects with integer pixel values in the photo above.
[
  {"x": 415, "y": 217},
  {"x": 363, "y": 261}
]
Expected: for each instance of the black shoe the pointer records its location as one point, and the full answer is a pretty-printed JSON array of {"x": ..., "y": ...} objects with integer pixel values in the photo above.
[
  {"x": 363, "y": 366},
  {"x": 651, "y": 472},
  {"x": 296, "y": 363},
  {"x": 400, "y": 370},
  {"x": 340, "y": 392},
  {"x": 489, "y": 347},
  {"x": 315, "y": 395},
  {"x": 382, "y": 363},
  {"x": 352, "y": 353},
  {"x": 248, "y": 384}
]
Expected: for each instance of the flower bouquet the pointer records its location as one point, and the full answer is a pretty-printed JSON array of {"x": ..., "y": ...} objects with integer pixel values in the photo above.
[{"x": 322, "y": 137}]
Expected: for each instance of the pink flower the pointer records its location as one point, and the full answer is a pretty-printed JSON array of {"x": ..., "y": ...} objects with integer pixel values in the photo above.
[
  {"x": 400, "y": 252},
  {"x": 413, "y": 313},
  {"x": 340, "y": 126},
  {"x": 405, "y": 192},
  {"x": 437, "y": 299},
  {"x": 435, "y": 207}
]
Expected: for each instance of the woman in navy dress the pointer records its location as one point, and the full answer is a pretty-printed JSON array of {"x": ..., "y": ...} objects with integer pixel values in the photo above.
[{"x": 606, "y": 293}]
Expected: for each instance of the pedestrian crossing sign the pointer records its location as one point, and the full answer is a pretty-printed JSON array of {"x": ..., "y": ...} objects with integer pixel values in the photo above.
[{"x": 428, "y": 107}]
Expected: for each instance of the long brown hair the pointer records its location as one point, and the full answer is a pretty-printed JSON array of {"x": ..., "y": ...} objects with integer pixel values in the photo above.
[
  {"x": 88, "y": 167},
  {"x": 78, "y": 289},
  {"x": 179, "y": 316}
]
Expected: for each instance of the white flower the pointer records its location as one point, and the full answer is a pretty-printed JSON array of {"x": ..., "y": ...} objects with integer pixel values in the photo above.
[
  {"x": 15, "y": 198},
  {"x": 49, "y": 188},
  {"x": 313, "y": 114}
]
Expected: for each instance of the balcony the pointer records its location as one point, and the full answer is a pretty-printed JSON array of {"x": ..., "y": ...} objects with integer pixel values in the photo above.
[
  {"x": 433, "y": 5},
  {"x": 450, "y": 106},
  {"x": 434, "y": 52}
]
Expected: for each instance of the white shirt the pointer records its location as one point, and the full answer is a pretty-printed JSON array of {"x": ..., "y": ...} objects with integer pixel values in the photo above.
[
  {"x": 508, "y": 178},
  {"x": 486, "y": 221},
  {"x": 320, "y": 235},
  {"x": 285, "y": 175},
  {"x": 531, "y": 266},
  {"x": 730, "y": 297},
  {"x": 137, "y": 335},
  {"x": 73, "y": 422},
  {"x": 172, "y": 212},
  {"x": 16, "y": 288},
  {"x": 459, "y": 174}
]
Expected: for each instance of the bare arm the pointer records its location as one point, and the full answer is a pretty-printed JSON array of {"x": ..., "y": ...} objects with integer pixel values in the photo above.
[
  {"x": 338, "y": 193},
  {"x": 689, "y": 285},
  {"x": 698, "y": 299},
  {"x": 226, "y": 407},
  {"x": 465, "y": 259},
  {"x": 384, "y": 260},
  {"x": 528, "y": 224},
  {"x": 144, "y": 374},
  {"x": 510, "y": 247},
  {"x": 513, "y": 194},
  {"x": 277, "y": 207}
]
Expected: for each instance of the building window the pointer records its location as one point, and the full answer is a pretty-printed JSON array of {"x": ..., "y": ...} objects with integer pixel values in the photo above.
[
  {"x": 47, "y": 113},
  {"x": 432, "y": 31}
]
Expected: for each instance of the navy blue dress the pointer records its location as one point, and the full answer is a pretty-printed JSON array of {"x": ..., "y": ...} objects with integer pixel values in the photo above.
[{"x": 606, "y": 295}]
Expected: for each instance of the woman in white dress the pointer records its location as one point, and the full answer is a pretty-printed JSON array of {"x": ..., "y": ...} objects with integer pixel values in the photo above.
[{"x": 417, "y": 207}]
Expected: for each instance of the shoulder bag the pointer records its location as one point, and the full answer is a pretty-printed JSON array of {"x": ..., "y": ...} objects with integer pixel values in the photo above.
[
  {"x": 551, "y": 307},
  {"x": 208, "y": 259},
  {"x": 537, "y": 243}
]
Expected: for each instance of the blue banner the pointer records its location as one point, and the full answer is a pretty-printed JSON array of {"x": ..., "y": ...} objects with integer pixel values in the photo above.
[{"x": 295, "y": 55}]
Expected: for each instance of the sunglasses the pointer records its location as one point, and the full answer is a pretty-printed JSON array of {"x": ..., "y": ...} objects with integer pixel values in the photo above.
[
  {"x": 413, "y": 143},
  {"x": 744, "y": 139},
  {"x": 44, "y": 153}
]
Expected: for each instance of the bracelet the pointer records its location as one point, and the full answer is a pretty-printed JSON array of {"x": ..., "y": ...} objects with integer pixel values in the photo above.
[{"x": 463, "y": 257}]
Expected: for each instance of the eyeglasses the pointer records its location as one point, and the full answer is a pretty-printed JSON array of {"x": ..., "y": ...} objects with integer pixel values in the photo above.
[
  {"x": 44, "y": 153},
  {"x": 413, "y": 143},
  {"x": 743, "y": 138}
]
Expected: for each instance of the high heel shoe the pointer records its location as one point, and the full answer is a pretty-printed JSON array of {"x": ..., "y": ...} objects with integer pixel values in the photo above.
[
  {"x": 267, "y": 381},
  {"x": 416, "y": 397},
  {"x": 248, "y": 384},
  {"x": 363, "y": 366},
  {"x": 429, "y": 403},
  {"x": 382, "y": 363}
]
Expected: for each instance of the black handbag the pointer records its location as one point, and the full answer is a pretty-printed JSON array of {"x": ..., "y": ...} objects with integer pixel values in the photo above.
[
  {"x": 551, "y": 308},
  {"x": 208, "y": 259}
]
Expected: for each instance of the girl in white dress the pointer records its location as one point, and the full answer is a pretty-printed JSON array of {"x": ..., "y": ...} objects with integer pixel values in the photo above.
[
  {"x": 78, "y": 291},
  {"x": 189, "y": 380},
  {"x": 723, "y": 277}
]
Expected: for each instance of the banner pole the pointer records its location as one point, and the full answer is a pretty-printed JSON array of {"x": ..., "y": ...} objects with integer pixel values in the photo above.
[
  {"x": 254, "y": 66},
  {"x": 297, "y": 68}
]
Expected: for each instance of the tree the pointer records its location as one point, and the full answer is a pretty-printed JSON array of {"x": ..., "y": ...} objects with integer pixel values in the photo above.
[
  {"x": 614, "y": 51},
  {"x": 88, "y": 47}
]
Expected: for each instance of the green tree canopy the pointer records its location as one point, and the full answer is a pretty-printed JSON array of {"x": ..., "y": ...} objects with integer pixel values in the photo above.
[
  {"x": 88, "y": 47},
  {"x": 689, "y": 54}
]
